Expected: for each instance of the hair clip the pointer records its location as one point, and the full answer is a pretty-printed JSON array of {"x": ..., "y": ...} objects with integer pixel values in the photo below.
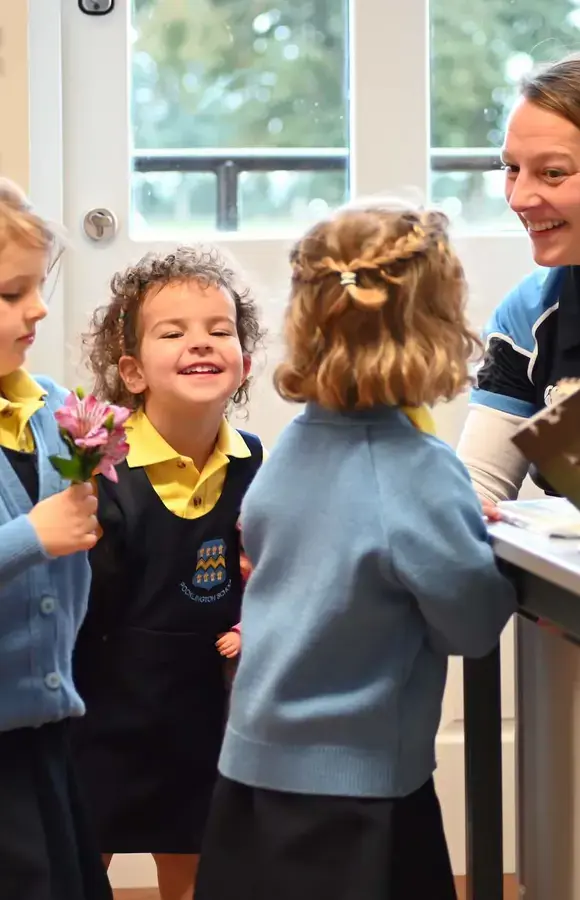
[
  {"x": 419, "y": 231},
  {"x": 347, "y": 278}
]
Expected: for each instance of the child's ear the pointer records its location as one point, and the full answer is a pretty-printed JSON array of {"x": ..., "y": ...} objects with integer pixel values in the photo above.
[
  {"x": 247, "y": 368},
  {"x": 132, "y": 374}
]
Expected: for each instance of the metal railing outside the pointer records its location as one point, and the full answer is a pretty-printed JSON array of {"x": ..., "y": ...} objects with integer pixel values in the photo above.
[{"x": 229, "y": 164}]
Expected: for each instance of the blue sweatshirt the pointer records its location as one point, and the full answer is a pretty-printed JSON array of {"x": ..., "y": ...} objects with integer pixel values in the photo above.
[
  {"x": 42, "y": 600},
  {"x": 372, "y": 565}
]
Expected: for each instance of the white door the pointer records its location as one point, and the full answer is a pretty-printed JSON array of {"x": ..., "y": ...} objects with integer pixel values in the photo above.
[{"x": 237, "y": 121}]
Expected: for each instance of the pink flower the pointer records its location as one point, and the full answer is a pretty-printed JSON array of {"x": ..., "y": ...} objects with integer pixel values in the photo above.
[
  {"x": 95, "y": 435},
  {"x": 114, "y": 452},
  {"x": 88, "y": 421}
]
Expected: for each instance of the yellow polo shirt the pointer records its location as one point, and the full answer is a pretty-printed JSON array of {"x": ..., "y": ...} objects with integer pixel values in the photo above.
[
  {"x": 184, "y": 491},
  {"x": 20, "y": 398}
]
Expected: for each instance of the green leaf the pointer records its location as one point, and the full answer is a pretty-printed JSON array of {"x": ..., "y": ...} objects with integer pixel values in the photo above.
[
  {"x": 77, "y": 469},
  {"x": 70, "y": 469},
  {"x": 109, "y": 422},
  {"x": 80, "y": 393},
  {"x": 89, "y": 462}
]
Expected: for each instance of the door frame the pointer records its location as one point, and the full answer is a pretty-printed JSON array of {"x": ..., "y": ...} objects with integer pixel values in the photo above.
[{"x": 46, "y": 176}]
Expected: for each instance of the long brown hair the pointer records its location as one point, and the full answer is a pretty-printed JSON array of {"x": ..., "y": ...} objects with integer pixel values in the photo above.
[{"x": 376, "y": 312}]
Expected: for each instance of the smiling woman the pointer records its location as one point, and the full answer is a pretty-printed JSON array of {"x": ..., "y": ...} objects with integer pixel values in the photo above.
[
  {"x": 541, "y": 158},
  {"x": 533, "y": 338}
]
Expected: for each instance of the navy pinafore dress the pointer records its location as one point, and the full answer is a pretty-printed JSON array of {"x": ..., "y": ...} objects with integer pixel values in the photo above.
[{"x": 146, "y": 664}]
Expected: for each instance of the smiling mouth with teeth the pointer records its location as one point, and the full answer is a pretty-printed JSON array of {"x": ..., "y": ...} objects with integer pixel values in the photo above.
[
  {"x": 200, "y": 370},
  {"x": 539, "y": 227}
]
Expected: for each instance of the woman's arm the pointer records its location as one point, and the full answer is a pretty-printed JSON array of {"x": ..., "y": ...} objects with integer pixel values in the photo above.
[
  {"x": 496, "y": 466},
  {"x": 505, "y": 394}
]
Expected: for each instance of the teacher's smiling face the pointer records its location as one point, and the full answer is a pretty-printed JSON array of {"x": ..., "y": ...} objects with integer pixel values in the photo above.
[{"x": 541, "y": 156}]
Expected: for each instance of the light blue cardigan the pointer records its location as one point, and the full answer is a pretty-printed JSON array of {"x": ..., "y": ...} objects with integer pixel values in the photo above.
[
  {"x": 371, "y": 564},
  {"x": 42, "y": 600}
]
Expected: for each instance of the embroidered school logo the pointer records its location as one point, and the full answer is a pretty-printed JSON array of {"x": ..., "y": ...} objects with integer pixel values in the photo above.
[{"x": 210, "y": 571}]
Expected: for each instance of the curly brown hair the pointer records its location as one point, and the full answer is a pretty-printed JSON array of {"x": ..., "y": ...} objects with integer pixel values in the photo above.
[
  {"x": 376, "y": 312},
  {"x": 115, "y": 327}
]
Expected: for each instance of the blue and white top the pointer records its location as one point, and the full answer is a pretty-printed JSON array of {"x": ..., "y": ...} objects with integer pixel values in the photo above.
[{"x": 532, "y": 342}]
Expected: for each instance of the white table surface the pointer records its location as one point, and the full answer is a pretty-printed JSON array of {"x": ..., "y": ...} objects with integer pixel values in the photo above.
[{"x": 555, "y": 560}]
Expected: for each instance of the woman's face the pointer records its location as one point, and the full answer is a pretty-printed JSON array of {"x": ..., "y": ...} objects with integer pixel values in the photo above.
[{"x": 541, "y": 155}]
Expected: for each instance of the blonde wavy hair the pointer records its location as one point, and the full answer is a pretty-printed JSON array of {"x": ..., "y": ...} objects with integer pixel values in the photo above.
[
  {"x": 21, "y": 224},
  {"x": 376, "y": 313}
]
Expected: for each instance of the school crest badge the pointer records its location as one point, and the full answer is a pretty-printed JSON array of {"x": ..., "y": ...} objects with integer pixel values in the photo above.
[{"x": 210, "y": 570}]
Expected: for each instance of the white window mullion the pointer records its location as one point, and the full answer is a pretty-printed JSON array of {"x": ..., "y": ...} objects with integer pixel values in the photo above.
[{"x": 389, "y": 96}]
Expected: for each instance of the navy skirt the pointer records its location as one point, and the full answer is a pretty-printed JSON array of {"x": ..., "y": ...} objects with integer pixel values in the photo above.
[
  {"x": 47, "y": 850},
  {"x": 261, "y": 845}
]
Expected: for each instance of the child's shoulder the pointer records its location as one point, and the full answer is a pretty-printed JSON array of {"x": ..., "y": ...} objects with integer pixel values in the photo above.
[
  {"x": 55, "y": 393},
  {"x": 419, "y": 457}
]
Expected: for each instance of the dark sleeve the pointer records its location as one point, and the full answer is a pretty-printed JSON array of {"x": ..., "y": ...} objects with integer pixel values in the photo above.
[{"x": 505, "y": 380}]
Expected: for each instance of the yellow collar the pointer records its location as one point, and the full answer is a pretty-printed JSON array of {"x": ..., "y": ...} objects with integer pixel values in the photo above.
[
  {"x": 148, "y": 448},
  {"x": 20, "y": 389},
  {"x": 421, "y": 418}
]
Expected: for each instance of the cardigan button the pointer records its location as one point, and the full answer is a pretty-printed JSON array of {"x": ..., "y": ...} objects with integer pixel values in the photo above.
[
  {"x": 52, "y": 681},
  {"x": 197, "y": 501},
  {"x": 181, "y": 464},
  {"x": 47, "y": 606}
]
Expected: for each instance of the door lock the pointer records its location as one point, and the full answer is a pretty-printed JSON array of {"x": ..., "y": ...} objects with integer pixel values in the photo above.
[
  {"x": 96, "y": 7},
  {"x": 100, "y": 225}
]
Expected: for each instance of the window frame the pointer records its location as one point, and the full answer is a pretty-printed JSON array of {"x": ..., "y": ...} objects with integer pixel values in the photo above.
[{"x": 389, "y": 63}]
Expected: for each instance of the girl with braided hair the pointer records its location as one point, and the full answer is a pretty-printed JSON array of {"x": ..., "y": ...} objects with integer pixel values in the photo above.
[
  {"x": 371, "y": 567},
  {"x": 174, "y": 343}
]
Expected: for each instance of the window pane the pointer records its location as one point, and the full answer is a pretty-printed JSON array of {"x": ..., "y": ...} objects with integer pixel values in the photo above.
[
  {"x": 473, "y": 199},
  {"x": 479, "y": 51},
  {"x": 270, "y": 201},
  {"x": 239, "y": 74},
  {"x": 167, "y": 204}
]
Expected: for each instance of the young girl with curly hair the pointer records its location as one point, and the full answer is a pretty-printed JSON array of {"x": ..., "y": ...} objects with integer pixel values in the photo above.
[
  {"x": 371, "y": 566},
  {"x": 174, "y": 343}
]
